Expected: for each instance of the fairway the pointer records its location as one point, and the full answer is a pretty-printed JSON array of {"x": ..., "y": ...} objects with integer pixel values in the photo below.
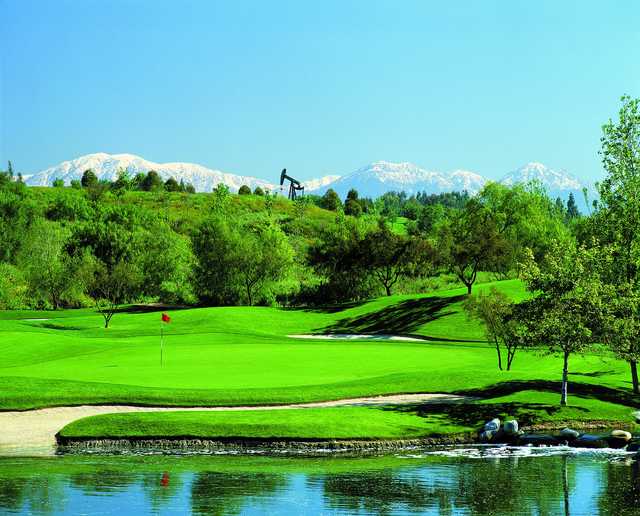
[{"x": 242, "y": 355}]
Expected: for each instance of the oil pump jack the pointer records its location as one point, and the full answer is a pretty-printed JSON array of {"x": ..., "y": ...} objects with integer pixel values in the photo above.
[{"x": 294, "y": 184}]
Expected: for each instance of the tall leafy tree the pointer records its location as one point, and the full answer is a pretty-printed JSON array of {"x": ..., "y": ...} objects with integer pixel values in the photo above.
[
  {"x": 618, "y": 219},
  {"x": 567, "y": 313}
]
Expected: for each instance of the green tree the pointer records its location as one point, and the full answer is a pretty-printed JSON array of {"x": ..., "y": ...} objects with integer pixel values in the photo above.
[
  {"x": 215, "y": 278},
  {"x": 152, "y": 182},
  {"x": 138, "y": 179},
  {"x": 618, "y": 218},
  {"x": 76, "y": 184},
  {"x": 220, "y": 199},
  {"x": 171, "y": 185},
  {"x": 10, "y": 169},
  {"x": 572, "y": 208},
  {"x": 13, "y": 288},
  {"x": 89, "y": 179},
  {"x": 57, "y": 183},
  {"x": 495, "y": 310},
  {"x": 390, "y": 256},
  {"x": 470, "y": 241},
  {"x": 331, "y": 201},
  {"x": 258, "y": 191},
  {"x": 123, "y": 182},
  {"x": 567, "y": 314},
  {"x": 622, "y": 328},
  {"x": 262, "y": 256},
  {"x": 244, "y": 190},
  {"x": 352, "y": 207},
  {"x": 51, "y": 274},
  {"x": 113, "y": 286}
]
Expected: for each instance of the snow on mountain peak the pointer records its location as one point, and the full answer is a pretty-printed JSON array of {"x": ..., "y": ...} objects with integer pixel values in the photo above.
[{"x": 106, "y": 166}]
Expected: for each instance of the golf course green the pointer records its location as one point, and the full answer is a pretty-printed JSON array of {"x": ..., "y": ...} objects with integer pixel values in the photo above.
[{"x": 244, "y": 356}]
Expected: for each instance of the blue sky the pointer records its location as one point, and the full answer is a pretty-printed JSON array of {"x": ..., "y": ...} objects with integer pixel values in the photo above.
[{"x": 318, "y": 87}]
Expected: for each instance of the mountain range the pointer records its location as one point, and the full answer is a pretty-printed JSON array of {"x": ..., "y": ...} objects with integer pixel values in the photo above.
[{"x": 371, "y": 180}]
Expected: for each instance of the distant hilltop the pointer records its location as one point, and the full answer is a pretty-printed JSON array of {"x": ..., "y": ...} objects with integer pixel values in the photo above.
[{"x": 371, "y": 180}]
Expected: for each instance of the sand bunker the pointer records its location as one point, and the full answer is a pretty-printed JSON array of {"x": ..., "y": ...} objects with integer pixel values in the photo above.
[
  {"x": 351, "y": 336},
  {"x": 33, "y": 431}
]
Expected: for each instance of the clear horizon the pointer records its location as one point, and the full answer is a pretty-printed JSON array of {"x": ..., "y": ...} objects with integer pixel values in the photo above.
[{"x": 251, "y": 88}]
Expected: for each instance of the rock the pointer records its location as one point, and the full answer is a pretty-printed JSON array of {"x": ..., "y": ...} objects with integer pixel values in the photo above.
[
  {"x": 511, "y": 427},
  {"x": 538, "y": 440},
  {"x": 569, "y": 434},
  {"x": 493, "y": 425},
  {"x": 621, "y": 434},
  {"x": 634, "y": 446},
  {"x": 618, "y": 439},
  {"x": 590, "y": 441},
  {"x": 486, "y": 436}
]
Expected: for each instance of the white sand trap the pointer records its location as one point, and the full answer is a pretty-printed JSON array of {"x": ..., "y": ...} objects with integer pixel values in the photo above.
[
  {"x": 32, "y": 432},
  {"x": 351, "y": 336}
]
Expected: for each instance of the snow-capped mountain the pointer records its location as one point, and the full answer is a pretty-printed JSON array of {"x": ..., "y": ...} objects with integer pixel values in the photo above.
[
  {"x": 380, "y": 177},
  {"x": 315, "y": 184},
  {"x": 106, "y": 166},
  {"x": 371, "y": 180},
  {"x": 558, "y": 183}
]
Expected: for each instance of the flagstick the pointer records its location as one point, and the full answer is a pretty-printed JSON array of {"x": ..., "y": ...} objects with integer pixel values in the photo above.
[{"x": 161, "y": 339}]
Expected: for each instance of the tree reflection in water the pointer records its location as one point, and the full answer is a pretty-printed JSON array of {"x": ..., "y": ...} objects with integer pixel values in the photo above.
[{"x": 567, "y": 485}]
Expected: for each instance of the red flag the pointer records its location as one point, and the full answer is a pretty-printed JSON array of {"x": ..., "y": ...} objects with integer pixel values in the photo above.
[{"x": 166, "y": 318}]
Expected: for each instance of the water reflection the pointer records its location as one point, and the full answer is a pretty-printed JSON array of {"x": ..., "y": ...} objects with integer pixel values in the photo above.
[{"x": 587, "y": 483}]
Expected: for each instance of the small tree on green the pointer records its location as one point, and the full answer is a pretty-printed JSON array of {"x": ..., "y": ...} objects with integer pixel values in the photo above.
[
  {"x": 89, "y": 179},
  {"x": 244, "y": 190},
  {"x": 114, "y": 286},
  {"x": 258, "y": 191},
  {"x": 58, "y": 183},
  {"x": 10, "y": 169},
  {"x": 495, "y": 310},
  {"x": 567, "y": 313}
]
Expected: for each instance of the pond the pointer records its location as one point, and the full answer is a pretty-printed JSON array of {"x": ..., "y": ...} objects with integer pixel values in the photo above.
[{"x": 447, "y": 481}]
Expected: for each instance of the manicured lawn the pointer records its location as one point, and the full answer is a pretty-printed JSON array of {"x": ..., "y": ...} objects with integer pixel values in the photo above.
[
  {"x": 242, "y": 355},
  {"x": 401, "y": 422}
]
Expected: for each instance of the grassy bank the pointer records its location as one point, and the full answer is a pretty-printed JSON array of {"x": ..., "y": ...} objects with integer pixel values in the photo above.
[{"x": 351, "y": 423}]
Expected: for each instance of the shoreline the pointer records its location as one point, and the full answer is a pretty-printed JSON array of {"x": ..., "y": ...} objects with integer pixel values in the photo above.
[{"x": 251, "y": 445}]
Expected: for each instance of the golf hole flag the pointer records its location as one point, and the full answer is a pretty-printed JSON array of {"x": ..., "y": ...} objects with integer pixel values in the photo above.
[{"x": 165, "y": 320}]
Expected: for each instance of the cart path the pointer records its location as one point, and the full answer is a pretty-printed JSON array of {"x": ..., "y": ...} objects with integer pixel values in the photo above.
[{"x": 33, "y": 431}]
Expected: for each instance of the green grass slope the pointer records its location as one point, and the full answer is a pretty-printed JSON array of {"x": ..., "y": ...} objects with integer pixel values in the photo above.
[{"x": 242, "y": 355}]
